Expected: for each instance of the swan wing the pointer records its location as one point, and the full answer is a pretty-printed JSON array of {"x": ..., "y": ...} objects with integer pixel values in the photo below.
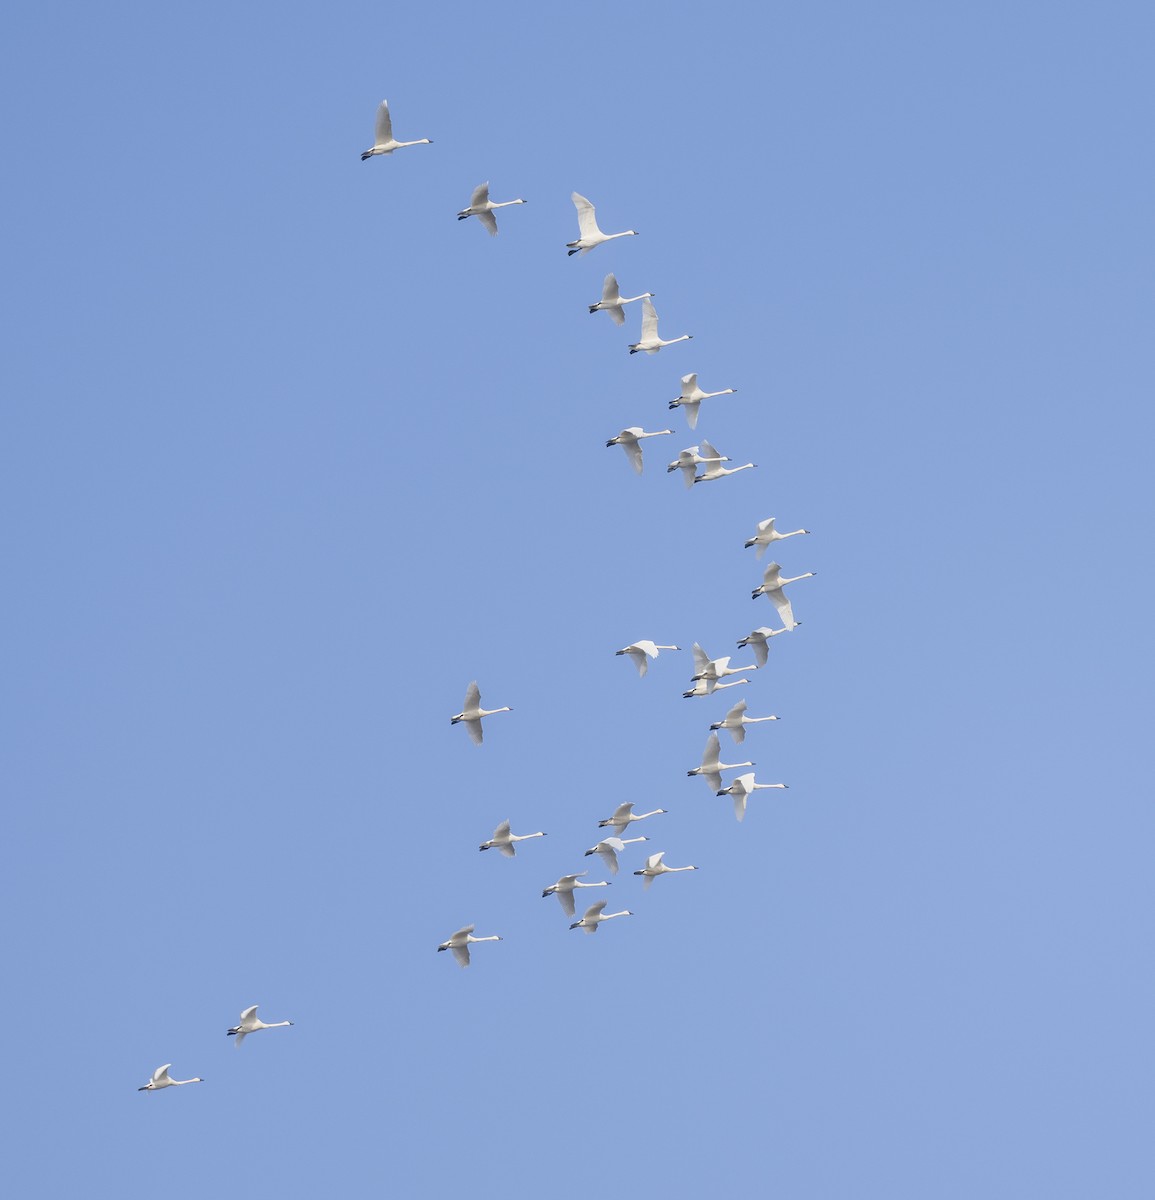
[
  {"x": 501, "y": 832},
  {"x": 480, "y": 195},
  {"x": 608, "y": 855},
  {"x": 649, "y": 321},
  {"x": 472, "y": 698},
  {"x": 623, "y": 811},
  {"x": 384, "y": 128},
  {"x": 691, "y": 409},
  {"x": 633, "y": 449},
  {"x": 701, "y": 659},
  {"x": 640, "y": 661},
  {"x": 249, "y": 1014},
  {"x": 647, "y": 647},
  {"x": 160, "y": 1073},
  {"x": 508, "y": 850},
  {"x": 761, "y": 649},
  {"x": 475, "y": 732},
  {"x": 240, "y": 1036},
  {"x": 610, "y": 292},
  {"x": 566, "y": 900},
  {"x": 782, "y": 603},
  {"x": 654, "y": 860},
  {"x": 712, "y": 752},
  {"x": 587, "y": 221},
  {"x": 461, "y": 953},
  {"x": 595, "y": 910},
  {"x": 489, "y": 221},
  {"x": 689, "y": 385},
  {"x": 740, "y": 805},
  {"x": 617, "y": 314}
]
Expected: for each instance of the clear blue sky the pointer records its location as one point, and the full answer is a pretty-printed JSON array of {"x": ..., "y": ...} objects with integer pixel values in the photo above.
[{"x": 291, "y": 456}]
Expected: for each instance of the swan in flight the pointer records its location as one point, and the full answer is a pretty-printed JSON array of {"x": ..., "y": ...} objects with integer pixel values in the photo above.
[
  {"x": 250, "y": 1024},
  {"x": 460, "y": 942},
  {"x": 504, "y": 841},
  {"x": 383, "y": 142},
  {"x": 564, "y": 890},
  {"x": 708, "y": 686},
  {"x": 736, "y": 721},
  {"x": 589, "y": 233},
  {"x": 688, "y": 462},
  {"x": 623, "y": 816},
  {"x": 472, "y": 713},
  {"x": 767, "y": 534},
  {"x": 630, "y": 439},
  {"x": 641, "y": 652},
  {"x": 706, "y": 667},
  {"x": 758, "y": 640},
  {"x": 481, "y": 207},
  {"x": 772, "y": 585},
  {"x": 714, "y": 468},
  {"x": 741, "y": 788},
  {"x": 162, "y": 1079},
  {"x": 692, "y": 395},
  {"x": 655, "y": 867},
  {"x": 612, "y": 300},
  {"x": 596, "y": 914},
  {"x": 608, "y": 850},
  {"x": 649, "y": 342},
  {"x": 711, "y": 768}
]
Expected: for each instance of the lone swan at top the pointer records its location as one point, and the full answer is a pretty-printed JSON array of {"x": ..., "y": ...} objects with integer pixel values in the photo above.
[
  {"x": 590, "y": 234},
  {"x": 383, "y": 140}
]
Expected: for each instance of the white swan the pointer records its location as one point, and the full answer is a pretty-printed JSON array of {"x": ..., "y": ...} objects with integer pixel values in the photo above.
[
  {"x": 772, "y": 585},
  {"x": 629, "y": 440},
  {"x": 758, "y": 641},
  {"x": 596, "y": 914},
  {"x": 708, "y": 686},
  {"x": 649, "y": 342},
  {"x": 589, "y": 233},
  {"x": 612, "y": 300},
  {"x": 481, "y": 207},
  {"x": 706, "y": 667},
  {"x": 472, "y": 713},
  {"x": 564, "y": 890},
  {"x": 741, "y": 788},
  {"x": 714, "y": 468},
  {"x": 767, "y": 534},
  {"x": 250, "y": 1024},
  {"x": 655, "y": 867},
  {"x": 736, "y": 721},
  {"x": 624, "y": 815},
  {"x": 641, "y": 652},
  {"x": 692, "y": 396},
  {"x": 162, "y": 1079},
  {"x": 383, "y": 142},
  {"x": 688, "y": 462},
  {"x": 505, "y": 841},
  {"x": 711, "y": 768},
  {"x": 460, "y": 942},
  {"x": 609, "y": 848}
]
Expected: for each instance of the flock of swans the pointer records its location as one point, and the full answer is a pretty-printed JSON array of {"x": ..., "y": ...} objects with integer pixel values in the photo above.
[{"x": 710, "y": 674}]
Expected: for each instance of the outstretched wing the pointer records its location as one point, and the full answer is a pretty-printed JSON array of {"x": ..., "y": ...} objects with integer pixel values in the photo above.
[
  {"x": 489, "y": 221},
  {"x": 649, "y": 320},
  {"x": 633, "y": 449},
  {"x": 475, "y": 732},
  {"x": 508, "y": 850},
  {"x": 587, "y": 221},
  {"x": 565, "y": 899},
  {"x": 689, "y": 385},
  {"x": 608, "y": 855},
  {"x": 610, "y": 292},
  {"x": 691, "y": 409},
  {"x": 472, "y": 697},
  {"x": 782, "y": 603},
  {"x": 240, "y": 1036},
  {"x": 480, "y": 195},
  {"x": 249, "y": 1013},
  {"x": 617, "y": 314},
  {"x": 761, "y": 649},
  {"x": 502, "y": 831},
  {"x": 595, "y": 910},
  {"x": 384, "y": 128},
  {"x": 740, "y": 805},
  {"x": 461, "y": 953}
]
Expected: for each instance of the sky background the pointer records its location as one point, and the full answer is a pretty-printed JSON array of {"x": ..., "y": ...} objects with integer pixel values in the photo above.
[{"x": 290, "y": 456}]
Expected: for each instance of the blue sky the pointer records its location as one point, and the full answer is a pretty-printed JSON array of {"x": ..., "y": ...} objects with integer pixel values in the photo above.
[{"x": 291, "y": 456}]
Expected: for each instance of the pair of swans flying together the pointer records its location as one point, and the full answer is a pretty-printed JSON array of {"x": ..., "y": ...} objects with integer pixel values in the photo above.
[{"x": 472, "y": 713}]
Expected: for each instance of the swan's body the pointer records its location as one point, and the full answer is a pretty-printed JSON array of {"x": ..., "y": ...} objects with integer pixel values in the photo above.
[
  {"x": 624, "y": 816},
  {"x": 772, "y": 585},
  {"x": 743, "y": 787},
  {"x": 460, "y": 942},
  {"x": 641, "y": 652},
  {"x": 609, "y": 848},
  {"x": 612, "y": 300},
  {"x": 162, "y": 1079},
  {"x": 655, "y": 867},
  {"x": 595, "y": 915},
  {"x": 758, "y": 640},
  {"x": 250, "y": 1024},
  {"x": 589, "y": 235},
  {"x": 472, "y": 713},
  {"x": 706, "y": 667},
  {"x": 692, "y": 395},
  {"x": 564, "y": 890},
  {"x": 711, "y": 767},
  {"x": 714, "y": 468},
  {"x": 383, "y": 140},
  {"x": 767, "y": 534},
  {"x": 708, "y": 686},
  {"x": 736, "y": 721},
  {"x": 481, "y": 207},
  {"x": 649, "y": 342},
  {"x": 630, "y": 441},
  {"x": 505, "y": 841},
  {"x": 688, "y": 462}
]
